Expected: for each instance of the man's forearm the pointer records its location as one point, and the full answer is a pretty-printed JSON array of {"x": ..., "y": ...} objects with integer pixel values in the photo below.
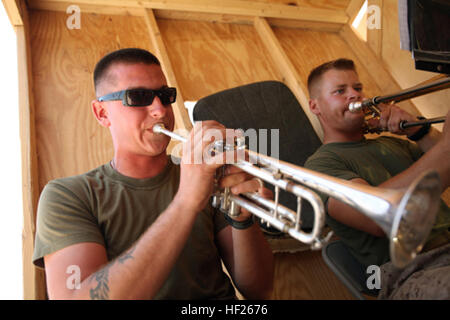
[
  {"x": 253, "y": 263},
  {"x": 141, "y": 271},
  {"x": 429, "y": 140}
]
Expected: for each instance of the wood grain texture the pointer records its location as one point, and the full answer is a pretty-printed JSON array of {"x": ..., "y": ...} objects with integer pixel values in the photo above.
[
  {"x": 232, "y": 7},
  {"x": 279, "y": 58},
  {"x": 210, "y": 57},
  {"x": 33, "y": 278},
  {"x": 305, "y": 276},
  {"x": 69, "y": 140},
  {"x": 375, "y": 35},
  {"x": 308, "y": 49}
]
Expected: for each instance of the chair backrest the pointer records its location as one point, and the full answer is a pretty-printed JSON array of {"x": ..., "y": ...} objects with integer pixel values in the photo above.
[{"x": 266, "y": 106}]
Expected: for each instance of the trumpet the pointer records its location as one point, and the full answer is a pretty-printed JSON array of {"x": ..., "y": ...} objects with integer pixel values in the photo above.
[
  {"x": 370, "y": 109},
  {"x": 406, "y": 216}
]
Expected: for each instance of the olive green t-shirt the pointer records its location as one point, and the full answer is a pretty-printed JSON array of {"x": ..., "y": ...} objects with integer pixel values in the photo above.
[
  {"x": 375, "y": 161},
  {"x": 105, "y": 207}
]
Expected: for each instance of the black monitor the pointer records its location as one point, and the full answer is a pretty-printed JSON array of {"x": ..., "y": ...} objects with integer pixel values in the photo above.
[{"x": 428, "y": 24}]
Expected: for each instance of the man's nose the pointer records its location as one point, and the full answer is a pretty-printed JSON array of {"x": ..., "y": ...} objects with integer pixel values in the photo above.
[
  {"x": 157, "y": 110},
  {"x": 354, "y": 95}
]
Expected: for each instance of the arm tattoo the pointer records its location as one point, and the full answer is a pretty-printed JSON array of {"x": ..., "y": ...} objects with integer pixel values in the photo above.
[{"x": 101, "y": 291}]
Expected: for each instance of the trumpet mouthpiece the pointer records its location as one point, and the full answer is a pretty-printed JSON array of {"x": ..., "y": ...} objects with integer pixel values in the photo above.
[
  {"x": 157, "y": 128},
  {"x": 355, "y": 106}
]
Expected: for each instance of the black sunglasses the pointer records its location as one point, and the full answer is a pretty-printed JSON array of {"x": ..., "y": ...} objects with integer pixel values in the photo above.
[{"x": 141, "y": 97}]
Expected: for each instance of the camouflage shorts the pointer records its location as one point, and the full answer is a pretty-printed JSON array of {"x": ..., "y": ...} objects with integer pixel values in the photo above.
[{"x": 426, "y": 277}]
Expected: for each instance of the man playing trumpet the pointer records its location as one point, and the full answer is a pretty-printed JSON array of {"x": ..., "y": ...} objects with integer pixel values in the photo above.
[
  {"x": 384, "y": 162},
  {"x": 141, "y": 227}
]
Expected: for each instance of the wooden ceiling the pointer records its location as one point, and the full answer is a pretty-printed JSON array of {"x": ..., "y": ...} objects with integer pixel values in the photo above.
[{"x": 329, "y": 15}]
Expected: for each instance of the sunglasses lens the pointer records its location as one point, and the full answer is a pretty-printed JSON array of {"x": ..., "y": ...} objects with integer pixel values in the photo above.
[
  {"x": 144, "y": 97},
  {"x": 167, "y": 95},
  {"x": 139, "y": 98}
]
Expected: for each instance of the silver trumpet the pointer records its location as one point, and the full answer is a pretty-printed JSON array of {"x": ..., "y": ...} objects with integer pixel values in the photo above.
[{"x": 406, "y": 216}]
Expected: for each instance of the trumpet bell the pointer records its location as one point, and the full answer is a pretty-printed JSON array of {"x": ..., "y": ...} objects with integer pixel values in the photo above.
[{"x": 414, "y": 218}]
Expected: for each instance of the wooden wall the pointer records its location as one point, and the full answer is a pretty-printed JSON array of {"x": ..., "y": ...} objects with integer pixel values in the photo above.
[
  {"x": 206, "y": 57},
  {"x": 69, "y": 139}
]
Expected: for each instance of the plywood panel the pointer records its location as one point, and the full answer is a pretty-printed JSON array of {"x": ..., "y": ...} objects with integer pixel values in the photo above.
[
  {"x": 305, "y": 276},
  {"x": 69, "y": 140},
  {"x": 209, "y": 57},
  {"x": 308, "y": 49}
]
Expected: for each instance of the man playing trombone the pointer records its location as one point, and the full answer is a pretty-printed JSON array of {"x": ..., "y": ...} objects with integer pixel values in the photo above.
[
  {"x": 384, "y": 162},
  {"x": 141, "y": 227}
]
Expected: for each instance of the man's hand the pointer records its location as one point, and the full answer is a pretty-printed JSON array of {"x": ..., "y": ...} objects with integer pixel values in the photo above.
[
  {"x": 391, "y": 116},
  {"x": 199, "y": 164},
  {"x": 240, "y": 182}
]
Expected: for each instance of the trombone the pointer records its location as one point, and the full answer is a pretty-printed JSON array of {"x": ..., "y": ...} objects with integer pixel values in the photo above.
[
  {"x": 406, "y": 216},
  {"x": 370, "y": 109}
]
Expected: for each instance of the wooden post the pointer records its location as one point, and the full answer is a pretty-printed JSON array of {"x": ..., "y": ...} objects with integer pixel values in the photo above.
[
  {"x": 180, "y": 111},
  {"x": 287, "y": 70},
  {"x": 375, "y": 27},
  {"x": 33, "y": 278}
]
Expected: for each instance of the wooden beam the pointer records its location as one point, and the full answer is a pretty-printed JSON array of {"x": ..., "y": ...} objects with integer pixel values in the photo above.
[
  {"x": 227, "y": 7},
  {"x": 189, "y": 15},
  {"x": 287, "y": 70},
  {"x": 14, "y": 11},
  {"x": 181, "y": 113},
  {"x": 375, "y": 35},
  {"x": 247, "y": 20},
  {"x": 353, "y": 9},
  {"x": 33, "y": 278}
]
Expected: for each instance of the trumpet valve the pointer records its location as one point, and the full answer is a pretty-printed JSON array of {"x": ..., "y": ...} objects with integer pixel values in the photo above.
[
  {"x": 234, "y": 209},
  {"x": 215, "y": 200}
]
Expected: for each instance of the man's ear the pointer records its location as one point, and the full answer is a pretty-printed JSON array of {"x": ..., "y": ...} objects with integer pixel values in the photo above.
[
  {"x": 100, "y": 113},
  {"x": 314, "y": 107}
]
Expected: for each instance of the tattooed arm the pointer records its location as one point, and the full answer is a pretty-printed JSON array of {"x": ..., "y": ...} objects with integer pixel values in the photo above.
[{"x": 137, "y": 274}]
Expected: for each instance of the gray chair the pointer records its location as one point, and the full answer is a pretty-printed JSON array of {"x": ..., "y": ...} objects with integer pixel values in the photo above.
[
  {"x": 266, "y": 105},
  {"x": 350, "y": 271}
]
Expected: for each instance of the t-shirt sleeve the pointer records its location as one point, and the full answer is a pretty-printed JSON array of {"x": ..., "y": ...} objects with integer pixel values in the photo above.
[
  {"x": 63, "y": 219},
  {"x": 332, "y": 165},
  {"x": 414, "y": 149}
]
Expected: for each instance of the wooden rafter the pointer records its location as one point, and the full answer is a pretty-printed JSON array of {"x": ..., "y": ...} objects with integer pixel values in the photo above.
[
  {"x": 287, "y": 70},
  {"x": 14, "y": 11},
  {"x": 227, "y": 7},
  {"x": 181, "y": 114},
  {"x": 353, "y": 9}
]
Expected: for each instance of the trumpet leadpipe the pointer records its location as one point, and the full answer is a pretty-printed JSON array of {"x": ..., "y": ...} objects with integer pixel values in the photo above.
[{"x": 159, "y": 128}]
